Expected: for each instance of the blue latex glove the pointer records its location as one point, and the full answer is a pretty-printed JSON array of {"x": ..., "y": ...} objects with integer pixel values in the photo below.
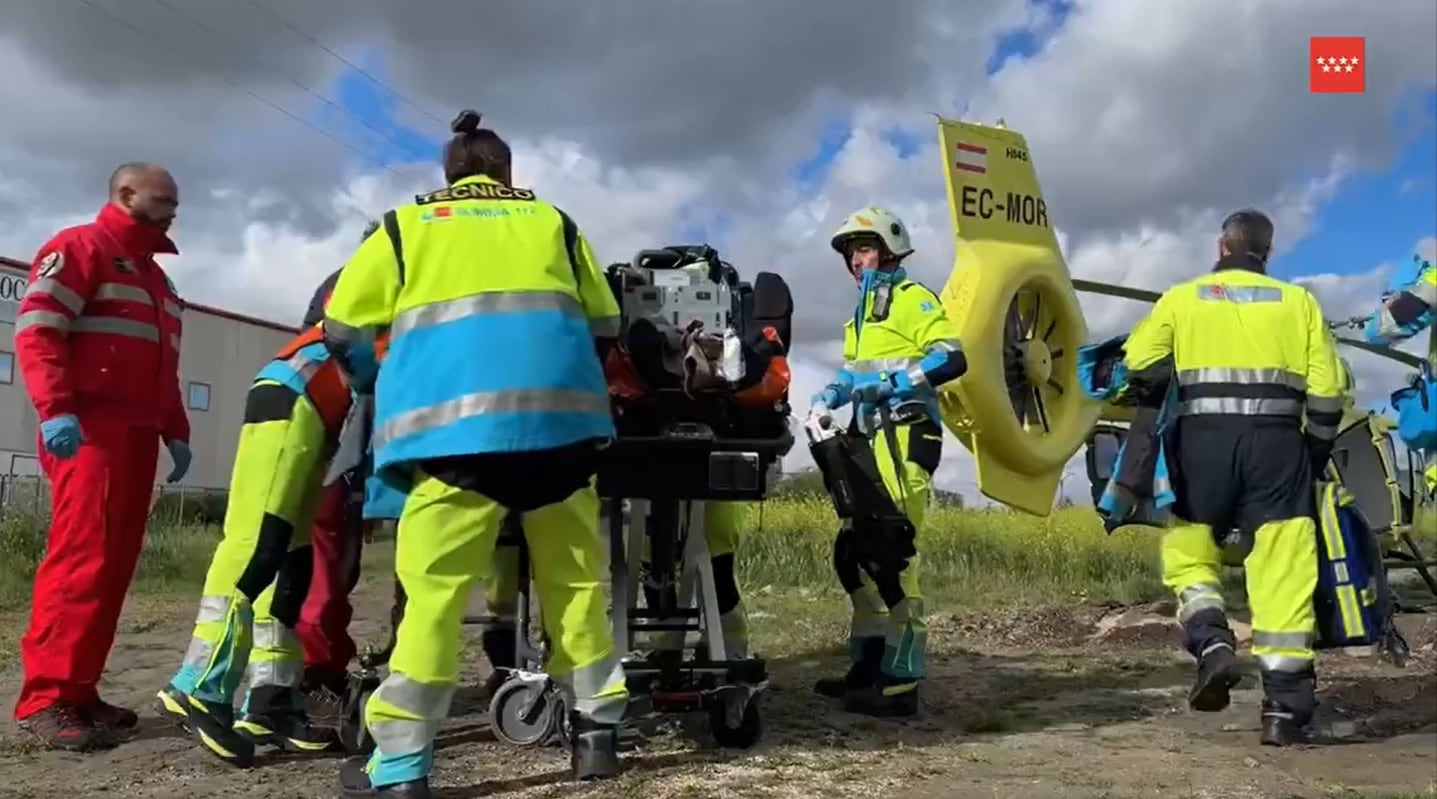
[
  {"x": 873, "y": 393},
  {"x": 181, "y": 455},
  {"x": 902, "y": 385},
  {"x": 62, "y": 435}
]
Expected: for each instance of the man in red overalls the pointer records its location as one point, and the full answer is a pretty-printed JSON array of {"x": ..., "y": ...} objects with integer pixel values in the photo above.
[{"x": 98, "y": 342}]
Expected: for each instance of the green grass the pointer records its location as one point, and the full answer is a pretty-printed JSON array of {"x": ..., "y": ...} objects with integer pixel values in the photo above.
[{"x": 981, "y": 558}]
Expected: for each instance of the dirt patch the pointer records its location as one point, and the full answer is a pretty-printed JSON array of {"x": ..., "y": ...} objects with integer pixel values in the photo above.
[{"x": 1017, "y": 705}]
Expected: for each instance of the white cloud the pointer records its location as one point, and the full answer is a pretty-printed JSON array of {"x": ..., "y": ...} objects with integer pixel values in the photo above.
[{"x": 1143, "y": 137}]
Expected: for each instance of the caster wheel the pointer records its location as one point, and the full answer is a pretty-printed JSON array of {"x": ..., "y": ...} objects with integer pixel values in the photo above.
[
  {"x": 745, "y": 735},
  {"x": 522, "y": 713},
  {"x": 353, "y": 735}
]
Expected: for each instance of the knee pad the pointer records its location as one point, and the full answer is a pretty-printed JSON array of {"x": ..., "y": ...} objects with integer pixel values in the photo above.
[
  {"x": 270, "y": 552},
  {"x": 725, "y": 583},
  {"x": 292, "y": 586},
  {"x": 845, "y": 562}
]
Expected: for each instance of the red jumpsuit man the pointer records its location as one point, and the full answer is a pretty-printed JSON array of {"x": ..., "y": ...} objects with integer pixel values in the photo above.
[{"x": 98, "y": 342}]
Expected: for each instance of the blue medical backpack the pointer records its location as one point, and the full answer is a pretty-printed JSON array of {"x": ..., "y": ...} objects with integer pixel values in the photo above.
[
  {"x": 1353, "y": 601},
  {"x": 1416, "y": 406}
]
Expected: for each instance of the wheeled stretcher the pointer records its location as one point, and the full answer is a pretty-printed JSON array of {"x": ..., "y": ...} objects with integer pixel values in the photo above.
[{"x": 681, "y": 443}]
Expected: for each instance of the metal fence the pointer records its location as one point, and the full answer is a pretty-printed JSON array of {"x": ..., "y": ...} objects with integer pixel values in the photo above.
[{"x": 30, "y": 495}]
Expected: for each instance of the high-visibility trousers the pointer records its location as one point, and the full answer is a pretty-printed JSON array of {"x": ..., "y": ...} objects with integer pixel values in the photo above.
[
  {"x": 260, "y": 572},
  {"x": 444, "y": 545},
  {"x": 900, "y": 624}
]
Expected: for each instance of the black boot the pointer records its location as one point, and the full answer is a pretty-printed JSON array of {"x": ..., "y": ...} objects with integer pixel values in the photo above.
[
  {"x": 274, "y": 716},
  {"x": 594, "y": 753},
  {"x": 861, "y": 674},
  {"x": 1216, "y": 676},
  {"x": 354, "y": 784},
  {"x": 1282, "y": 727},
  {"x": 501, "y": 650},
  {"x": 887, "y": 697}
]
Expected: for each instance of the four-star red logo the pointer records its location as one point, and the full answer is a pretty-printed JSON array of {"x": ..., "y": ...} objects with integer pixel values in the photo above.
[{"x": 1336, "y": 64}]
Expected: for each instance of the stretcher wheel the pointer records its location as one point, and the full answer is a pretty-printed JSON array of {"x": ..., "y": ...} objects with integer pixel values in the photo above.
[
  {"x": 522, "y": 712},
  {"x": 353, "y": 734},
  {"x": 743, "y": 736}
]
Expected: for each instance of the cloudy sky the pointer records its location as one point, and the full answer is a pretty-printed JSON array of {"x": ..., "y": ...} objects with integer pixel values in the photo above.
[{"x": 754, "y": 125}]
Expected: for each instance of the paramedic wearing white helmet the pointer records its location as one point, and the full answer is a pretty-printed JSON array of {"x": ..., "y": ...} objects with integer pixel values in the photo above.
[{"x": 898, "y": 348}]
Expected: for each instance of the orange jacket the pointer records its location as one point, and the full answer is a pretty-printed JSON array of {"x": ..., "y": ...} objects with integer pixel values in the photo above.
[{"x": 98, "y": 330}]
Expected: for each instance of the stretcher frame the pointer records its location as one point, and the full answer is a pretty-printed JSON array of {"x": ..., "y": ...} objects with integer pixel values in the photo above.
[
  {"x": 678, "y": 472},
  {"x": 683, "y": 468}
]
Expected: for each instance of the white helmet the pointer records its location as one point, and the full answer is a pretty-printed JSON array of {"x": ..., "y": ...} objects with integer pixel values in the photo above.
[{"x": 874, "y": 221}]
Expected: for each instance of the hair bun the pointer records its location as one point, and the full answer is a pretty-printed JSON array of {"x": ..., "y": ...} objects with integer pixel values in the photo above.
[{"x": 467, "y": 122}]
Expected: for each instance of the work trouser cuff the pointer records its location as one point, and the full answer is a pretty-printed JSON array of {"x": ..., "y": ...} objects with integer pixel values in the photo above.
[
  {"x": 393, "y": 769},
  {"x": 1205, "y": 630}
]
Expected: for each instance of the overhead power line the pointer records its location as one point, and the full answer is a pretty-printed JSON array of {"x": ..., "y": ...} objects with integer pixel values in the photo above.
[
  {"x": 232, "y": 82},
  {"x": 272, "y": 14},
  {"x": 165, "y": 4}
]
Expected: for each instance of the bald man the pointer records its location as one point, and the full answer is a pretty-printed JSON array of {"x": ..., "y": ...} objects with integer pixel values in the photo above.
[{"x": 97, "y": 338}]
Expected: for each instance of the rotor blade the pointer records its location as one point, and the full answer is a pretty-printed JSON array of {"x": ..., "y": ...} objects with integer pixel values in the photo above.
[
  {"x": 1017, "y": 395},
  {"x": 1013, "y": 327},
  {"x": 1053, "y": 325},
  {"x": 1056, "y": 386},
  {"x": 1094, "y": 287},
  {"x": 1405, "y": 358},
  {"x": 1031, "y": 330},
  {"x": 1041, "y": 409},
  {"x": 1055, "y": 353}
]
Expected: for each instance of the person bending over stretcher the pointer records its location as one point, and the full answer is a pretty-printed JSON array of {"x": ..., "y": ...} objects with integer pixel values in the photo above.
[
  {"x": 259, "y": 577},
  {"x": 897, "y": 348}
]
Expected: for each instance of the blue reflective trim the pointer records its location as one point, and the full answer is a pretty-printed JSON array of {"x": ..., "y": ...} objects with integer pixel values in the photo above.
[
  {"x": 487, "y": 353},
  {"x": 496, "y": 432},
  {"x": 1217, "y": 291},
  {"x": 391, "y": 769}
]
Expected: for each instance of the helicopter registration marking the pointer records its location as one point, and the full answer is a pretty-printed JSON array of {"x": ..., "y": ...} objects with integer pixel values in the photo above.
[{"x": 1017, "y": 207}]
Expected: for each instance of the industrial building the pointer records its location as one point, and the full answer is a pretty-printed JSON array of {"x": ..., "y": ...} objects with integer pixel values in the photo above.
[{"x": 220, "y": 353}]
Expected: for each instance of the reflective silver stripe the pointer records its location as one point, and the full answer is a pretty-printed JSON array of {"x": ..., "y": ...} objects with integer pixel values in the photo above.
[
  {"x": 1287, "y": 663},
  {"x": 946, "y": 345},
  {"x": 880, "y": 365},
  {"x": 1323, "y": 432},
  {"x": 52, "y": 319},
  {"x": 304, "y": 366},
  {"x": 427, "y": 701},
  {"x": 1321, "y": 404},
  {"x": 61, "y": 293},
  {"x": 272, "y": 634},
  {"x": 116, "y": 326},
  {"x": 605, "y": 327},
  {"x": 124, "y": 292},
  {"x": 490, "y": 302},
  {"x": 597, "y": 690},
  {"x": 1246, "y": 377},
  {"x": 175, "y": 341},
  {"x": 1243, "y": 407},
  {"x": 917, "y": 377},
  {"x": 342, "y": 333},
  {"x": 1243, "y": 294},
  {"x": 521, "y": 401},
  {"x": 1199, "y": 597},
  {"x": 199, "y": 653},
  {"x": 1263, "y": 639},
  {"x": 174, "y": 309},
  {"x": 284, "y": 673},
  {"x": 213, "y": 608}
]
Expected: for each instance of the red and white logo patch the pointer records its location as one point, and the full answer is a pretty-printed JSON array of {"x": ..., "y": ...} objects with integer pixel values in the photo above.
[{"x": 971, "y": 158}]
